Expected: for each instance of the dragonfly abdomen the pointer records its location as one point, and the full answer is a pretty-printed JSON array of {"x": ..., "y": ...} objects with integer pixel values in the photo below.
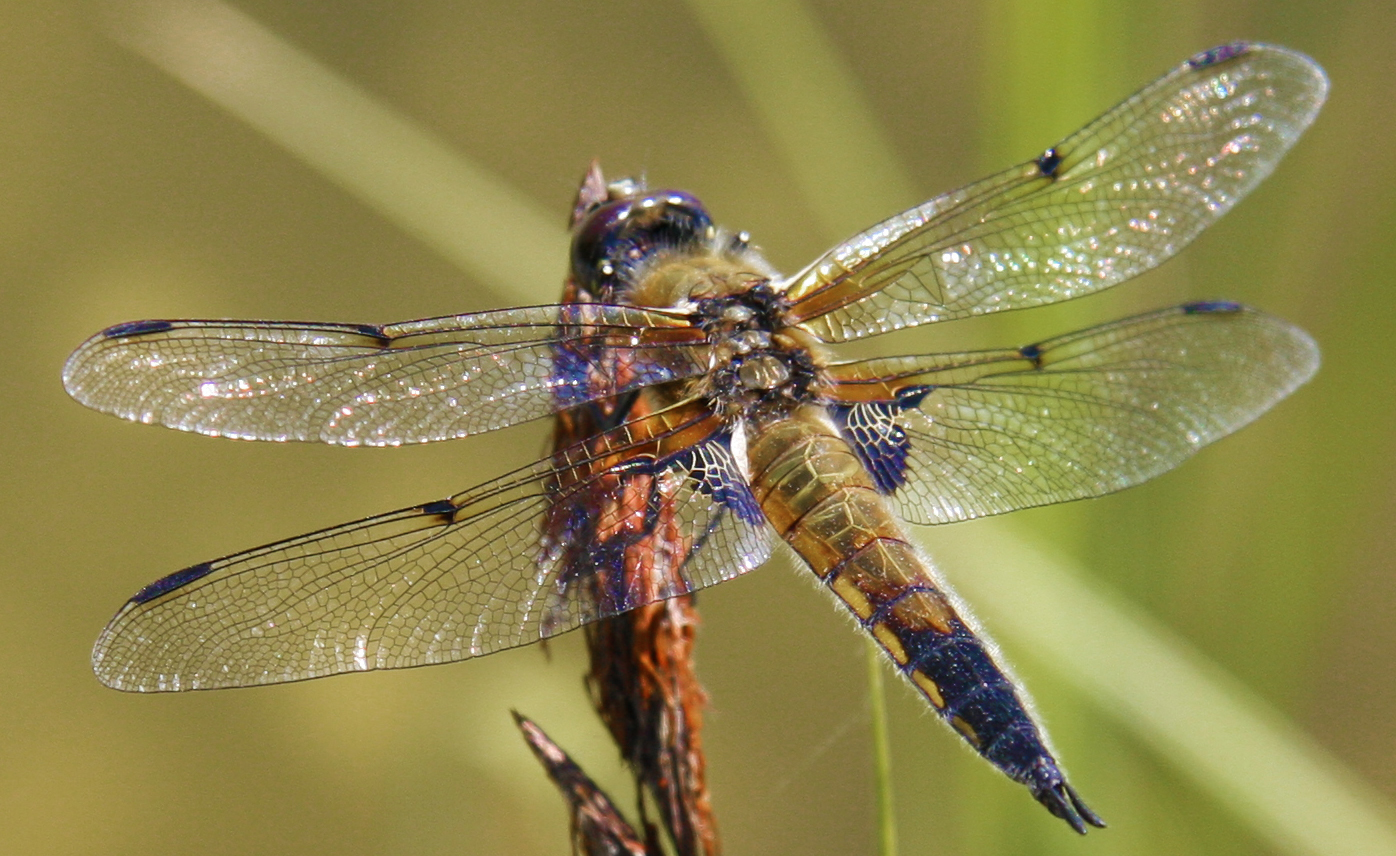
[{"x": 817, "y": 494}]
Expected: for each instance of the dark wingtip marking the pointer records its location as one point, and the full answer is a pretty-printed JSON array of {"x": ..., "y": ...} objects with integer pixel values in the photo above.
[
  {"x": 1219, "y": 54},
  {"x": 1048, "y": 163},
  {"x": 1032, "y": 352},
  {"x": 136, "y": 328},
  {"x": 1208, "y": 307},
  {"x": 176, "y": 580},
  {"x": 443, "y": 507}
]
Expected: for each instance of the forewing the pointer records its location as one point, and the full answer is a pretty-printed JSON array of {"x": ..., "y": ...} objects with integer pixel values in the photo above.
[
  {"x": 357, "y": 384},
  {"x": 482, "y": 571},
  {"x": 1105, "y": 204},
  {"x": 959, "y": 436}
]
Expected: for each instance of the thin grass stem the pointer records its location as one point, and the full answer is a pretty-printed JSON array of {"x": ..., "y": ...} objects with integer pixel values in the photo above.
[{"x": 882, "y": 754}]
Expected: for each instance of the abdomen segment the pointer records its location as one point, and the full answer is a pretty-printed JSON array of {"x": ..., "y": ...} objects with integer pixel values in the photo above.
[{"x": 819, "y": 497}]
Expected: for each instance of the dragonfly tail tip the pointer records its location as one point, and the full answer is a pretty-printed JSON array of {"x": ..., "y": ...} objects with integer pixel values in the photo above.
[{"x": 1062, "y": 801}]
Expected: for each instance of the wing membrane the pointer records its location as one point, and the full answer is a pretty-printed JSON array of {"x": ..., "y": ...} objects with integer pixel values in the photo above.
[
  {"x": 959, "y": 436},
  {"x": 350, "y": 384},
  {"x": 1105, "y": 204},
  {"x": 637, "y": 515}
]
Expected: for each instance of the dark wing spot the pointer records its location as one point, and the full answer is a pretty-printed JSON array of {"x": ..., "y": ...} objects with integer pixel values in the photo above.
[
  {"x": 912, "y": 396},
  {"x": 1219, "y": 54},
  {"x": 1032, "y": 352},
  {"x": 715, "y": 479},
  {"x": 136, "y": 328},
  {"x": 879, "y": 441},
  {"x": 373, "y": 331},
  {"x": 443, "y": 507},
  {"x": 1049, "y": 162},
  {"x": 176, "y": 580},
  {"x": 735, "y": 495},
  {"x": 1208, "y": 307}
]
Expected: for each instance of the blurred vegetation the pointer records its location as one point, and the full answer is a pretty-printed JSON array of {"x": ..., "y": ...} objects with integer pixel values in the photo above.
[{"x": 130, "y": 196}]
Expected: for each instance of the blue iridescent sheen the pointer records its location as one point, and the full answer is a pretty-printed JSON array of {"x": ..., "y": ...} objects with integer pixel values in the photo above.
[
  {"x": 977, "y": 693},
  {"x": 956, "y": 661},
  {"x": 597, "y": 563},
  {"x": 879, "y": 440},
  {"x": 571, "y": 376},
  {"x": 589, "y": 559},
  {"x": 723, "y": 483},
  {"x": 1208, "y": 307},
  {"x": 619, "y": 235},
  {"x": 440, "y": 506},
  {"x": 176, "y": 580},
  {"x": 1220, "y": 53},
  {"x": 136, "y": 328}
]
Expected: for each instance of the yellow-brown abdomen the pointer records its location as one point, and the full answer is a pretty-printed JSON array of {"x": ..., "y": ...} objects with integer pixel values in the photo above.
[{"x": 817, "y": 494}]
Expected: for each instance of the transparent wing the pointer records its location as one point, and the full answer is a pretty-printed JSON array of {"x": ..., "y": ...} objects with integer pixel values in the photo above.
[
  {"x": 958, "y": 436},
  {"x": 1107, "y": 203},
  {"x": 595, "y": 530},
  {"x": 355, "y": 384}
]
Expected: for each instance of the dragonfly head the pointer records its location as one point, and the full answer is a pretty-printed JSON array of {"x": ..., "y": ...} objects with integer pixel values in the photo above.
[{"x": 616, "y": 237}]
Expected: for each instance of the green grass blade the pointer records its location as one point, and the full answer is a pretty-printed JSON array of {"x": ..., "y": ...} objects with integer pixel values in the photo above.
[
  {"x": 812, "y": 108},
  {"x": 1248, "y": 756},
  {"x": 882, "y": 753},
  {"x": 413, "y": 179}
]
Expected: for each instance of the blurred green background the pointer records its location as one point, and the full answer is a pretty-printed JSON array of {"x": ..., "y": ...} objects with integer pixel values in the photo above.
[{"x": 124, "y": 195}]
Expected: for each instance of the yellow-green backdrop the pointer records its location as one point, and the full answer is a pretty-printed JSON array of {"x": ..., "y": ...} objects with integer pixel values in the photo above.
[{"x": 126, "y": 194}]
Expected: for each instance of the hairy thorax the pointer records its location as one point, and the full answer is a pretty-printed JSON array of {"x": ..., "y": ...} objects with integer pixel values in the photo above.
[{"x": 760, "y": 368}]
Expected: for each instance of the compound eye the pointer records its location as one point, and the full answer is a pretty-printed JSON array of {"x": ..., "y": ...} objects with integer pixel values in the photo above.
[
  {"x": 614, "y": 238},
  {"x": 594, "y": 235}
]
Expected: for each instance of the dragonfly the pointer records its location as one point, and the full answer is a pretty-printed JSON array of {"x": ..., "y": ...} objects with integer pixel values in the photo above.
[{"x": 705, "y": 418}]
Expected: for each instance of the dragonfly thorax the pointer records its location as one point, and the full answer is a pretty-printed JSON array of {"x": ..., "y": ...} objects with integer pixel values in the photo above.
[{"x": 759, "y": 366}]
